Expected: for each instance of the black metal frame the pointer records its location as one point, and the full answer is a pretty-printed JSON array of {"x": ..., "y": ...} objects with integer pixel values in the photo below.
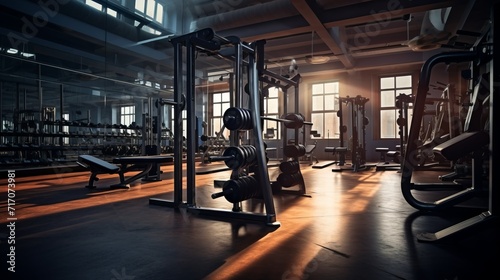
[
  {"x": 410, "y": 160},
  {"x": 358, "y": 151},
  {"x": 206, "y": 40},
  {"x": 493, "y": 198},
  {"x": 476, "y": 55}
]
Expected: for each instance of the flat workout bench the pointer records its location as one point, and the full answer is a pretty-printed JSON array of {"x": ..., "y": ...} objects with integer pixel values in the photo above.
[{"x": 99, "y": 166}]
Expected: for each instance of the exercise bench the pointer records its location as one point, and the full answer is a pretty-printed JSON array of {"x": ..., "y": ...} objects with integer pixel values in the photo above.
[{"x": 98, "y": 166}]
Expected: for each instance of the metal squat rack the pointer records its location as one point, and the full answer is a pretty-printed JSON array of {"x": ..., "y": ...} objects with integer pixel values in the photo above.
[{"x": 242, "y": 55}]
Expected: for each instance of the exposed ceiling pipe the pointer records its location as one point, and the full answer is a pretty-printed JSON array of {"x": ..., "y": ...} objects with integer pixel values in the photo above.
[
  {"x": 244, "y": 16},
  {"x": 432, "y": 33}
]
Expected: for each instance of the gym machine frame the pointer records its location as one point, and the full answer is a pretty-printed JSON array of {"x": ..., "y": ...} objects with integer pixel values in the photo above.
[
  {"x": 205, "y": 40},
  {"x": 494, "y": 116},
  {"x": 358, "y": 151},
  {"x": 410, "y": 163},
  {"x": 271, "y": 78}
]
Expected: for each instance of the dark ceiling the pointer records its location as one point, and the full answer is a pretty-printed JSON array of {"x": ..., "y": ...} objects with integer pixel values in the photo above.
[{"x": 101, "y": 51}]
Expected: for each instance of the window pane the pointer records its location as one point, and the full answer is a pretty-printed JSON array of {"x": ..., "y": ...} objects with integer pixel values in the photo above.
[
  {"x": 151, "y": 8},
  {"x": 225, "y": 97},
  {"x": 317, "y": 89},
  {"x": 317, "y": 103},
  {"x": 317, "y": 120},
  {"x": 139, "y": 5},
  {"x": 410, "y": 115},
  {"x": 216, "y": 125},
  {"x": 217, "y": 97},
  {"x": 273, "y": 92},
  {"x": 331, "y": 125},
  {"x": 387, "y": 98},
  {"x": 403, "y": 81},
  {"x": 330, "y": 102},
  {"x": 387, "y": 124},
  {"x": 226, "y": 133},
  {"x": 94, "y": 5},
  {"x": 386, "y": 83},
  {"x": 111, "y": 12},
  {"x": 273, "y": 124},
  {"x": 272, "y": 106},
  {"x": 224, "y": 107},
  {"x": 217, "y": 110},
  {"x": 184, "y": 125},
  {"x": 159, "y": 13},
  {"x": 404, "y": 91},
  {"x": 332, "y": 87}
]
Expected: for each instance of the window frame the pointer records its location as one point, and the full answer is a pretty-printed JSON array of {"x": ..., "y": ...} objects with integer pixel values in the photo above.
[
  {"x": 127, "y": 118},
  {"x": 225, "y": 102},
  {"x": 384, "y": 109},
  {"x": 268, "y": 124},
  {"x": 325, "y": 131}
]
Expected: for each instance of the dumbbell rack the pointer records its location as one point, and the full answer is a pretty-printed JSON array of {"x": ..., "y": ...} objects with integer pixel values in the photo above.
[
  {"x": 44, "y": 146},
  {"x": 206, "y": 40}
]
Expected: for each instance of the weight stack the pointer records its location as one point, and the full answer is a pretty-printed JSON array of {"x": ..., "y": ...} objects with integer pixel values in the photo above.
[{"x": 290, "y": 174}]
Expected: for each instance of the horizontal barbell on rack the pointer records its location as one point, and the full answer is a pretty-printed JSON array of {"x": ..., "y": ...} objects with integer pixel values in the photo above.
[
  {"x": 241, "y": 119},
  {"x": 165, "y": 101}
]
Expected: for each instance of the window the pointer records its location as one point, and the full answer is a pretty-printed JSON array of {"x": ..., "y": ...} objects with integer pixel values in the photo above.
[
  {"x": 325, "y": 104},
  {"x": 220, "y": 103},
  {"x": 271, "y": 109},
  {"x": 111, "y": 12},
  {"x": 94, "y": 4},
  {"x": 127, "y": 115},
  {"x": 150, "y": 9},
  {"x": 390, "y": 88},
  {"x": 184, "y": 123},
  {"x": 65, "y": 129}
]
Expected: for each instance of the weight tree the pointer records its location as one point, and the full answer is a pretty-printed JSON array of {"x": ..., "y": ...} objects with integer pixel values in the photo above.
[{"x": 207, "y": 41}]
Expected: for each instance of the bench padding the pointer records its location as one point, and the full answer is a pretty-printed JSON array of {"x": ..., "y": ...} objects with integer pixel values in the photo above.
[
  {"x": 98, "y": 164},
  {"x": 462, "y": 144}
]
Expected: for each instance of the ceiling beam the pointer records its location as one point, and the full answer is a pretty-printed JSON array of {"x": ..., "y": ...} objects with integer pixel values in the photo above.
[
  {"x": 379, "y": 11},
  {"x": 310, "y": 16}
]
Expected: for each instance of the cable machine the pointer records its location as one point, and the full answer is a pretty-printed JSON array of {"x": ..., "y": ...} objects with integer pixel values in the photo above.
[{"x": 357, "y": 142}]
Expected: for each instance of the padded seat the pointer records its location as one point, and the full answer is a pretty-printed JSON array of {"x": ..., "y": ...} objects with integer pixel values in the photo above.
[{"x": 462, "y": 145}]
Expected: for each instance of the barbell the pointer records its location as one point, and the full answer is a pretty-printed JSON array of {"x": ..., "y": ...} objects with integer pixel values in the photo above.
[
  {"x": 241, "y": 119},
  {"x": 164, "y": 101}
]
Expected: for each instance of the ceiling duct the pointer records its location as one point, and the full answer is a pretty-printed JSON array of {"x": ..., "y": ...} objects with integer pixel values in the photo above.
[
  {"x": 246, "y": 16},
  {"x": 432, "y": 32}
]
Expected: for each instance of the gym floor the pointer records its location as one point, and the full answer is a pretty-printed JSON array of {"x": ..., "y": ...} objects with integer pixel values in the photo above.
[{"x": 353, "y": 226}]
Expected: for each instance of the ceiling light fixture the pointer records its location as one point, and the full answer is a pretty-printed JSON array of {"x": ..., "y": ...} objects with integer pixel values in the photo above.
[{"x": 318, "y": 59}]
